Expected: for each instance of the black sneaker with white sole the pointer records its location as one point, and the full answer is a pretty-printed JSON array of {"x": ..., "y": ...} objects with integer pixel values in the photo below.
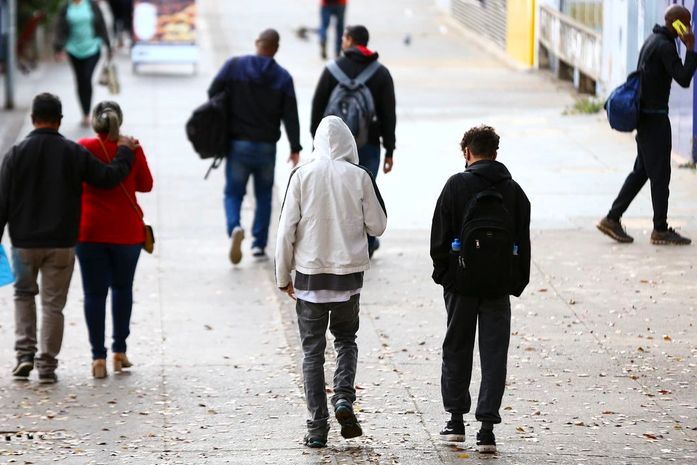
[
  {"x": 486, "y": 442},
  {"x": 25, "y": 364},
  {"x": 350, "y": 428},
  {"x": 48, "y": 378},
  {"x": 259, "y": 254},
  {"x": 454, "y": 431}
]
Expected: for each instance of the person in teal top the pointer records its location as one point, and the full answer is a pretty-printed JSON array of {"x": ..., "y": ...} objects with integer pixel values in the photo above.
[{"x": 80, "y": 34}]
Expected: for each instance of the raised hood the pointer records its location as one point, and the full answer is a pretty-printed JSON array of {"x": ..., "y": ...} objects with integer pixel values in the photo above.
[{"x": 334, "y": 140}]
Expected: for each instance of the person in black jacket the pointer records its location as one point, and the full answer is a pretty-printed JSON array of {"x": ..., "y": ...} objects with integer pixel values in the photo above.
[
  {"x": 661, "y": 62},
  {"x": 356, "y": 58},
  {"x": 40, "y": 196},
  {"x": 465, "y": 312},
  {"x": 261, "y": 95}
]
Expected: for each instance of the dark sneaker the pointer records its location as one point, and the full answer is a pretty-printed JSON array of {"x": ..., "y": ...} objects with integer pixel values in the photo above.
[
  {"x": 614, "y": 229},
  {"x": 315, "y": 442},
  {"x": 48, "y": 378},
  {"x": 25, "y": 364},
  {"x": 259, "y": 254},
  {"x": 454, "y": 431},
  {"x": 375, "y": 246},
  {"x": 669, "y": 237},
  {"x": 486, "y": 442},
  {"x": 350, "y": 428},
  {"x": 236, "y": 245}
]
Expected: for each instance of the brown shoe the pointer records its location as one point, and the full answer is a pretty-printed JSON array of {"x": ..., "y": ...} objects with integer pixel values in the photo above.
[
  {"x": 669, "y": 237},
  {"x": 121, "y": 362},
  {"x": 99, "y": 368},
  {"x": 614, "y": 229}
]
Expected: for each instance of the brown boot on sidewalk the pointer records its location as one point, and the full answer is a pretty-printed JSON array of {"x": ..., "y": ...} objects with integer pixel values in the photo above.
[
  {"x": 121, "y": 362},
  {"x": 614, "y": 229},
  {"x": 99, "y": 368},
  {"x": 669, "y": 237}
]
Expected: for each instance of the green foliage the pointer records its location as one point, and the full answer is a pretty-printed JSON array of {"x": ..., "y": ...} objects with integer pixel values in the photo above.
[{"x": 585, "y": 106}]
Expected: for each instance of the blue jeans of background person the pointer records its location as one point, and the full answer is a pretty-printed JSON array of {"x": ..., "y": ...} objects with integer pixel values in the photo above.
[
  {"x": 104, "y": 267},
  {"x": 256, "y": 159},
  {"x": 326, "y": 14},
  {"x": 369, "y": 158}
]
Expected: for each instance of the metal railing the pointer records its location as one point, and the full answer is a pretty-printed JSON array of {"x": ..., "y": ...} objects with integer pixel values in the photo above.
[{"x": 571, "y": 41}]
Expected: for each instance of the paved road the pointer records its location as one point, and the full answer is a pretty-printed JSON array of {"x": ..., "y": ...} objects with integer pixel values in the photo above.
[{"x": 603, "y": 352}]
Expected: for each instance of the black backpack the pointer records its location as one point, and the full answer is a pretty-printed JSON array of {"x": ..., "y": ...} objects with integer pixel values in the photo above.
[
  {"x": 484, "y": 264},
  {"x": 208, "y": 129}
]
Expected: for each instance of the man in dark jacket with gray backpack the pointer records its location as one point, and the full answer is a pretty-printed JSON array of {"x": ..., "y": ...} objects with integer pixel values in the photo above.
[
  {"x": 480, "y": 246},
  {"x": 360, "y": 90}
]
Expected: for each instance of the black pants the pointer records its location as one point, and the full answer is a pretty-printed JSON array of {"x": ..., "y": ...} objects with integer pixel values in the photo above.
[
  {"x": 654, "y": 145},
  {"x": 494, "y": 318},
  {"x": 122, "y": 11},
  {"x": 84, "y": 70}
]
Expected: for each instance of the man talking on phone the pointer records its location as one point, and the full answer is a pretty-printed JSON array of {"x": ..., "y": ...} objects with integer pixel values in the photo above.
[{"x": 661, "y": 64}]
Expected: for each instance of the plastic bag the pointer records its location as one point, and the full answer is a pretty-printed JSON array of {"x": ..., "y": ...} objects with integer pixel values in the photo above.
[{"x": 6, "y": 274}]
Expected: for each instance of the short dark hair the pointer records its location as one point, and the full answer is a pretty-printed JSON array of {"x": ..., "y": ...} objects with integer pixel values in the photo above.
[
  {"x": 482, "y": 141},
  {"x": 47, "y": 108},
  {"x": 359, "y": 34}
]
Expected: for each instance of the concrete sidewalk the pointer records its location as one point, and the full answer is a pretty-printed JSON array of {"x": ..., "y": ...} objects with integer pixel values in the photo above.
[{"x": 603, "y": 351}]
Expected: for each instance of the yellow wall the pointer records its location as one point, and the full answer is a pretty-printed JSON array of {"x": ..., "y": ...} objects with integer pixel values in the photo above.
[{"x": 520, "y": 30}]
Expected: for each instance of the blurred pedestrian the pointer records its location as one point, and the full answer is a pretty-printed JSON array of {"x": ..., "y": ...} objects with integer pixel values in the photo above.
[
  {"x": 122, "y": 12},
  {"x": 660, "y": 64},
  {"x": 43, "y": 215},
  {"x": 480, "y": 246},
  {"x": 262, "y": 95},
  {"x": 361, "y": 64},
  {"x": 331, "y": 9},
  {"x": 111, "y": 237},
  {"x": 80, "y": 34},
  {"x": 331, "y": 203}
]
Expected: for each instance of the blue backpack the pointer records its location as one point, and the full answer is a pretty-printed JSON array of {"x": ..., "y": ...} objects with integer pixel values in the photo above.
[{"x": 622, "y": 105}]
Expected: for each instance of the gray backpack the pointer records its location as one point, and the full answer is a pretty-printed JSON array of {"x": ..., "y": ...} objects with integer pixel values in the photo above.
[{"x": 352, "y": 101}]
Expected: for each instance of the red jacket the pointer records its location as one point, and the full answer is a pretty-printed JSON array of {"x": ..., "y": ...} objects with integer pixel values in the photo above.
[
  {"x": 334, "y": 2},
  {"x": 107, "y": 214}
]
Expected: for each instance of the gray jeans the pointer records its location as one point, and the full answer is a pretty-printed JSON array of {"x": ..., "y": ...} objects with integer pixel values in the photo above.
[
  {"x": 56, "y": 268},
  {"x": 313, "y": 320}
]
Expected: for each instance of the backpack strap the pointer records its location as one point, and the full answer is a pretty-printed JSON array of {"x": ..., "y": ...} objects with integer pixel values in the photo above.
[
  {"x": 338, "y": 73},
  {"x": 361, "y": 79},
  {"x": 368, "y": 72}
]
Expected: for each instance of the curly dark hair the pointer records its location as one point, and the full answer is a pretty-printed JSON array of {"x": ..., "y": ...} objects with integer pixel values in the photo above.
[{"x": 482, "y": 141}]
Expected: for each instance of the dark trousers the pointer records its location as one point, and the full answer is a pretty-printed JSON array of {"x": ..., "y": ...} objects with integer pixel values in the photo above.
[
  {"x": 122, "y": 11},
  {"x": 105, "y": 266},
  {"x": 326, "y": 13},
  {"x": 494, "y": 318},
  {"x": 84, "y": 70},
  {"x": 654, "y": 145},
  {"x": 342, "y": 320},
  {"x": 369, "y": 158}
]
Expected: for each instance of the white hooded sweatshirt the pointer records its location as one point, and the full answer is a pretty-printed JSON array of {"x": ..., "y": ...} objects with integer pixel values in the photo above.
[{"x": 330, "y": 207}]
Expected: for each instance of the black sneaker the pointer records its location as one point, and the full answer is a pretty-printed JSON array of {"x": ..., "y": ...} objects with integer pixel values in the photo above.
[
  {"x": 259, "y": 254},
  {"x": 25, "y": 363},
  {"x": 315, "y": 442},
  {"x": 48, "y": 378},
  {"x": 350, "y": 428},
  {"x": 486, "y": 442},
  {"x": 614, "y": 229},
  {"x": 669, "y": 237},
  {"x": 454, "y": 431}
]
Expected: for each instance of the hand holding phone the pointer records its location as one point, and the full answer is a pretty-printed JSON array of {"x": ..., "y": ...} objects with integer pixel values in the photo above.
[{"x": 680, "y": 27}]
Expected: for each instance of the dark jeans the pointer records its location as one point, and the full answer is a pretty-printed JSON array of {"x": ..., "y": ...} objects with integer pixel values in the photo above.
[
  {"x": 84, "y": 70},
  {"x": 313, "y": 319},
  {"x": 654, "y": 144},
  {"x": 369, "y": 157},
  {"x": 326, "y": 13},
  {"x": 105, "y": 266},
  {"x": 122, "y": 11},
  {"x": 256, "y": 159},
  {"x": 494, "y": 319}
]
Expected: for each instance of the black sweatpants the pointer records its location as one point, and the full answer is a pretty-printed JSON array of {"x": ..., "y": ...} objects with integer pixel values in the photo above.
[
  {"x": 654, "y": 145},
  {"x": 494, "y": 319},
  {"x": 84, "y": 70}
]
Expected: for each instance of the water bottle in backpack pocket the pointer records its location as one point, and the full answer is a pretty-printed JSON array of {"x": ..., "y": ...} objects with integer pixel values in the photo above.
[{"x": 483, "y": 266}]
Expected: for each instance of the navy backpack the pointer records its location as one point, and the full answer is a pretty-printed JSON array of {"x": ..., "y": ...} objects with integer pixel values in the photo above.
[{"x": 622, "y": 105}]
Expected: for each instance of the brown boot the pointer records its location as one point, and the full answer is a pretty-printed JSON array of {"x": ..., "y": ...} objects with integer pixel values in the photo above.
[
  {"x": 614, "y": 229},
  {"x": 121, "y": 362},
  {"x": 669, "y": 237},
  {"x": 99, "y": 368}
]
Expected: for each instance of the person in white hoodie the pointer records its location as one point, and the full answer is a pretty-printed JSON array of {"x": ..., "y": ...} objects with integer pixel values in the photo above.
[{"x": 331, "y": 206}]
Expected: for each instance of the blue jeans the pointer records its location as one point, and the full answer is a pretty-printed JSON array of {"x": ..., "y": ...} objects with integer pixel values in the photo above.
[
  {"x": 257, "y": 159},
  {"x": 105, "y": 266},
  {"x": 369, "y": 157},
  {"x": 326, "y": 14}
]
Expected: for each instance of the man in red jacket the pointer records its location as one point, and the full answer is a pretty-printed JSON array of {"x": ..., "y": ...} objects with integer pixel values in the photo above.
[{"x": 337, "y": 9}]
